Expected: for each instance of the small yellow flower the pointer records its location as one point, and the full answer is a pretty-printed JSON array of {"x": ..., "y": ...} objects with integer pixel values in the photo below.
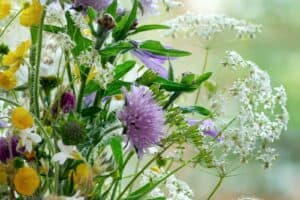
[
  {"x": 21, "y": 118},
  {"x": 26, "y": 181},
  {"x": 8, "y": 80},
  {"x": 82, "y": 175},
  {"x": 155, "y": 169},
  {"x": 5, "y": 6},
  {"x": 15, "y": 58},
  {"x": 31, "y": 16},
  {"x": 91, "y": 75}
]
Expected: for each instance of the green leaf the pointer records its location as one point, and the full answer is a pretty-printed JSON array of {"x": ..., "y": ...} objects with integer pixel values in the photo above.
[
  {"x": 116, "y": 48},
  {"x": 203, "y": 77},
  {"x": 196, "y": 109},
  {"x": 53, "y": 29},
  {"x": 82, "y": 43},
  {"x": 158, "y": 198},
  {"x": 115, "y": 87},
  {"x": 92, "y": 86},
  {"x": 125, "y": 24},
  {"x": 157, "y": 48},
  {"x": 116, "y": 147},
  {"x": 171, "y": 71},
  {"x": 112, "y": 8},
  {"x": 149, "y": 27},
  {"x": 90, "y": 111},
  {"x": 122, "y": 69},
  {"x": 141, "y": 192},
  {"x": 91, "y": 13}
]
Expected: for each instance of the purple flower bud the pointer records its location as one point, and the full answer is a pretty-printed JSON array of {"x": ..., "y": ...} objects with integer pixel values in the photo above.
[
  {"x": 67, "y": 103},
  {"x": 8, "y": 149}
]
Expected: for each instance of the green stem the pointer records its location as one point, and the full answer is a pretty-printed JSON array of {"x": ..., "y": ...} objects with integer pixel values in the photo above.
[
  {"x": 69, "y": 72},
  {"x": 203, "y": 70},
  {"x": 36, "y": 78},
  {"x": 141, "y": 171},
  {"x": 83, "y": 74},
  {"x": 216, "y": 188},
  {"x": 9, "y": 101},
  {"x": 9, "y": 23}
]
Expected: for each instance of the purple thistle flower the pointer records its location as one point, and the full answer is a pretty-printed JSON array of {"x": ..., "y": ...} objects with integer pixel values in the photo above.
[
  {"x": 96, "y": 4},
  {"x": 67, "y": 103},
  {"x": 152, "y": 61},
  {"x": 143, "y": 118},
  {"x": 9, "y": 150}
]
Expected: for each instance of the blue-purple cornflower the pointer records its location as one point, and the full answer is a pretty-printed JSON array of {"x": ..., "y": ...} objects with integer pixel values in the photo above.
[
  {"x": 96, "y": 4},
  {"x": 207, "y": 127},
  {"x": 8, "y": 148},
  {"x": 152, "y": 61},
  {"x": 67, "y": 103},
  {"x": 143, "y": 119}
]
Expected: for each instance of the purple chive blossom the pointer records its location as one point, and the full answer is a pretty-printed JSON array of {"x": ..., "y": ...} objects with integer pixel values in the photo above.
[
  {"x": 150, "y": 7},
  {"x": 67, "y": 103},
  {"x": 143, "y": 118},
  {"x": 8, "y": 149},
  {"x": 152, "y": 61},
  {"x": 96, "y": 4},
  {"x": 207, "y": 126}
]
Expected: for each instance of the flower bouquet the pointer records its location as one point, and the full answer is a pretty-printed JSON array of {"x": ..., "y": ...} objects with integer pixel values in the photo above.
[{"x": 90, "y": 112}]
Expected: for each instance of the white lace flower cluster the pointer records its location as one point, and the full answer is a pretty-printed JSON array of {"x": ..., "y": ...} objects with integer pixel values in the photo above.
[
  {"x": 89, "y": 58},
  {"x": 172, "y": 4},
  {"x": 262, "y": 116},
  {"x": 106, "y": 75},
  {"x": 174, "y": 188},
  {"x": 207, "y": 26}
]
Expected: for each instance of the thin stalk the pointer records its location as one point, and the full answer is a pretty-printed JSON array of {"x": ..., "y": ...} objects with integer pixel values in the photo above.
[
  {"x": 83, "y": 76},
  {"x": 141, "y": 171},
  {"x": 216, "y": 188},
  {"x": 69, "y": 72},
  {"x": 9, "y": 23},
  {"x": 203, "y": 70},
  {"x": 36, "y": 78},
  {"x": 9, "y": 101}
]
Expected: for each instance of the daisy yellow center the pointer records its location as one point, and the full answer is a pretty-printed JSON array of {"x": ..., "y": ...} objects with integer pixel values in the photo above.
[
  {"x": 82, "y": 174},
  {"x": 8, "y": 80},
  {"x": 31, "y": 16},
  {"x": 5, "y": 6},
  {"x": 21, "y": 118},
  {"x": 26, "y": 181}
]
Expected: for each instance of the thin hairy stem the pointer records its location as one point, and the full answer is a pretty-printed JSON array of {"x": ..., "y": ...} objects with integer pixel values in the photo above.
[
  {"x": 9, "y": 23},
  {"x": 221, "y": 178}
]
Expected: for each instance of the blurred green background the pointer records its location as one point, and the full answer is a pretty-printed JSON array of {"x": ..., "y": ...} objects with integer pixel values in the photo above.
[{"x": 276, "y": 50}]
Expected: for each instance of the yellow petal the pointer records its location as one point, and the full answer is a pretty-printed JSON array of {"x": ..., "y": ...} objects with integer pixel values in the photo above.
[
  {"x": 31, "y": 16},
  {"x": 8, "y": 80},
  {"x": 23, "y": 48},
  {"x": 5, "y": 6}
]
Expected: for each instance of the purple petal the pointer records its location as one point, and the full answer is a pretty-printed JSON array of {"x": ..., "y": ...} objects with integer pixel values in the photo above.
[{"x": 3, "y": 124}]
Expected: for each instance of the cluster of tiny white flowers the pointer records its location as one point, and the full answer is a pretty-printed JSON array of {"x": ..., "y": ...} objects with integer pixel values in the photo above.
[
  {"x": 178, "y": 189},
  {"x": 207, "y": 26},
  {"x": 172, "y": 4},
  {"x": 79, "y": 20},
  {"x": 174, "y": 188},
  {"x": 54, "y": 15},
  {"x": 106, "y": 75},
  {"x": 89, "y": 58},
  {"x": 262, "y": 116}
]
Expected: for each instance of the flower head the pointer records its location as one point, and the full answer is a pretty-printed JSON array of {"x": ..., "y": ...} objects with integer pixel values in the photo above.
[
  {"x": 67, "y": 103},
  {"x": 8, "y": 80},
  {"x": 208, "y": 128},
  {"x": 143, "y": 118},
  {"x": 26, "y": 181},
  {"x": 152, "y": 61},
  {"x": 31, "y": 16},
  {"x": 29, "y": 138},
  {"x": 66, "y": 152},
  {"x": 8, "y": 148},
  {"x": 96, "y": 4},
  {"x": 14, "y": 59},
  {"x": 21, "y": 118},
  {"x": 5, "y": 6}
]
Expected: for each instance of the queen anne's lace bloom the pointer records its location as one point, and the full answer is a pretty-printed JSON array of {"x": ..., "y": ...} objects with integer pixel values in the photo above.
[
  {"x": 143, "y": 118},
  {"x": 207, "y": 26}
]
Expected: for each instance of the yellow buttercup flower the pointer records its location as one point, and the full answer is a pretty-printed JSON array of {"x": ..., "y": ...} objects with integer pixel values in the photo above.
[
  {"x": 21, "y": 118},
  {"x": 8, "y": 80},
  {"x": 26, "y": 181},
  {"x": 5, "y": 6},
  {"x": 15, "y": 58},
  {"x": 31, "y": 16}
]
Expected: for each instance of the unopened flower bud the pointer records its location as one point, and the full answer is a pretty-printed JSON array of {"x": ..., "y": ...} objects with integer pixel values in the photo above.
[{"x": 107, "y": 22}]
